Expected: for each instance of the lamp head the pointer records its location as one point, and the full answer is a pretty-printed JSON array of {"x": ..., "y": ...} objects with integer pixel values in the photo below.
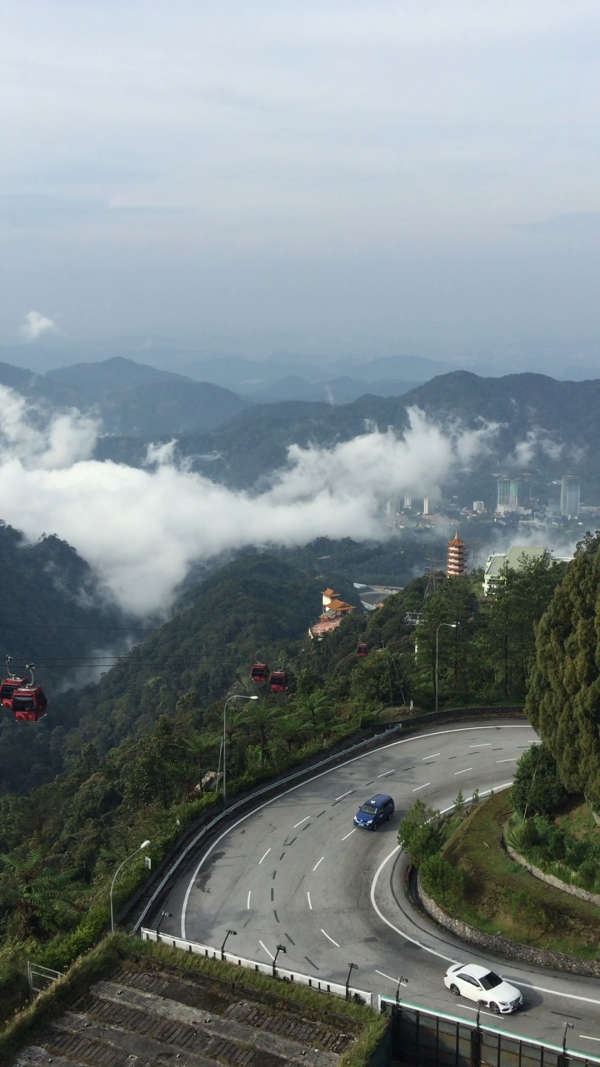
[{"x": 144, "y": 844}]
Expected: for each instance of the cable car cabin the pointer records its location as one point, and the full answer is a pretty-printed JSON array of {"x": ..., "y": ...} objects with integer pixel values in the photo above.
[
  {"x": 259, "y": 672},
  {"x": 29, "y": 703},
  {"x": 278, "y": 682},
  {"x": 362, "y": 649},
  {"x": 7, "y": 689}
]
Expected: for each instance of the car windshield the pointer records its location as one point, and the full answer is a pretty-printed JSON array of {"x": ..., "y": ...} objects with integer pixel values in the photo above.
[
  {"x": 490, "y": 980},
  {"x": 369, "y": 809}
]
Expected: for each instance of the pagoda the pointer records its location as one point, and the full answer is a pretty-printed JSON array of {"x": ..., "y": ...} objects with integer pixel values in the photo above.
[{"x": 456, "y": 559}]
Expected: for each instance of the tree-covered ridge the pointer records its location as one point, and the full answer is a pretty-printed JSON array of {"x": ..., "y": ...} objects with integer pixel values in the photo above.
[{"x": 563, "y": 701}]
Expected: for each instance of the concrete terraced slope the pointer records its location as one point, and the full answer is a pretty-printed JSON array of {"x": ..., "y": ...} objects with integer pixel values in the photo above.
[{"x": 159, "y": 1018}]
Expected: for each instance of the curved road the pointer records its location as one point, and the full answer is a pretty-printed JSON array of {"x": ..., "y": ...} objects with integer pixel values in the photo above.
[{"x": 296, "y": 872}]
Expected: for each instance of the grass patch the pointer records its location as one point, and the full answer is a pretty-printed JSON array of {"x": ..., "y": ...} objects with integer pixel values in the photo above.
[
  {"x": 118, "y": 949},
  {"x": 500, "y": 897}
]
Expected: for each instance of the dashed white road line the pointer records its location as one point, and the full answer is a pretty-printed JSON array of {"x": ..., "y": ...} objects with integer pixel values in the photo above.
[
  {"x": 424, "y": 786},
  {"x": 248, "y": 899},
  {"x": 349, "y": 834},
  {"x": 318, "y": 863},
  {"x": 384, "y": 774},
  {"x": 388, "y": 976},
  {"x": 482, "y": 744},
  {"x": 342, "y": 795},
  {"x": 464, "y": 771},
  {"x": 432, "y": 756},
  {"x": 324, "y": 932},
  {"x": 269, "y": 953},
  {"x": 264, "y": 857},
  {"x": 482, "y": 1011},
  {"x": 308, "y": 898},
  {"x": 588, "y": 1037},
  {"x": 297, "y": 824},
  {"x": 513, "y": 759}
]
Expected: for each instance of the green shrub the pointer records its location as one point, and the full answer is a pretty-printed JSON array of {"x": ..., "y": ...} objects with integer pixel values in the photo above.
[{"x": 443, "y": 881}]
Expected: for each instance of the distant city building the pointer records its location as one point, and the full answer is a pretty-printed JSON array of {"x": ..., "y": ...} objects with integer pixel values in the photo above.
[
  {"x": 408, "y": 500},
  {"x": 512, "y": 494},
  {"x": 426, "y": 505},
  {"x": 479, "y": 507},
  {"x": 570, "y": 496},
  {"x": 456, "y": 559}
]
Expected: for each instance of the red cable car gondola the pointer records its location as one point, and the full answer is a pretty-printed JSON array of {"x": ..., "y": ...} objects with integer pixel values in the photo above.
[
  {"x": 259, "y": 672},
  {"x": 362, "y": 649},
  {"x": 278, "y": 682},
  {"x": 29, "y": 702},
  {"x": 9, "y": 684}
]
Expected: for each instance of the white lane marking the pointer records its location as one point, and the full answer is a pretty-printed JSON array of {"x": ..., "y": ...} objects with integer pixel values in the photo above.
[
  {"x": 300, "y": 785},
  {"x": 262, "y": 945},
  {"x": 248, "y": 899},
  {"x": 318, "y": 863},
  {"x": 308, "y": 898},
  {"x": 324, "y": 932},
  {"x": 588, "y": 1037},
  {"x": 388, "y": 976},
  {"x": 384, "y": 774},
  {"x": 346, "y": 836},
  {"x": 432, "y": 756},
  {"x": 513, "y": 759},
  {"x": 440, "y": 955},
  {"x": 342, "y": 795},
  {"x": 482, "y": 1011},
  {"x": 464, "y": 771},
  {"x": 482, "y": 744},
  {"x": 424, "y": 786},
  {"x": 264, "y": 857},
  {"x": 297, "y": 824}
]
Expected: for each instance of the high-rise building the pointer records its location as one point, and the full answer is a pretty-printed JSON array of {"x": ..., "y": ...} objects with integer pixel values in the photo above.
[
  {"x": 570, "y": 494},
  {"x": 456, "y": 559},
  {"x": 513, "y": 493}
]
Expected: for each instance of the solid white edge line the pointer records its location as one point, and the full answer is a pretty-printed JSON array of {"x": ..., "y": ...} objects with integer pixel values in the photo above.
[
  {"x": 264, "y": 857},
  {"x": 269, "y": 953},
  {"x": 309, "y": 899},
  {"x": 321, "y": 774},
  {"x": 318, "y": 863},
  {"x": 329, "y": 938},
  {"x": 440, "y": 955}
]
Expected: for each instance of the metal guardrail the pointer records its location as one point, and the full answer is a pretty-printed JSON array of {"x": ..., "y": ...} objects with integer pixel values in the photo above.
[
  {"x": 428, "y": 1036},
  {"x": 273, "y": 970},
  {"x": 37, "y": 974}
]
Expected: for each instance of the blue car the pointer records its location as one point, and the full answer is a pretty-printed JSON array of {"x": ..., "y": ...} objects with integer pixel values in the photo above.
[{"x": 378, "y": 809}]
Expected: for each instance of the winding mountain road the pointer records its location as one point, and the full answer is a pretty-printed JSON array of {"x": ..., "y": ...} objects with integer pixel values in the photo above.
[{"x": 296, "y": 872}]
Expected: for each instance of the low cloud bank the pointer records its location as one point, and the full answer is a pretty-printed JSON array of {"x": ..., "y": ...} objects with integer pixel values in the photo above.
[{"x": 141, "y": 529}]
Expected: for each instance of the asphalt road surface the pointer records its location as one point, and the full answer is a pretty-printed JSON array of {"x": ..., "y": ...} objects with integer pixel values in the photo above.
[{"x": 296, "y": 872}]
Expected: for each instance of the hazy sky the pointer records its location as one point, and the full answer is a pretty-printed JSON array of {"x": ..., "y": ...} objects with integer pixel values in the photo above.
[{"x": 336, "y": 177}]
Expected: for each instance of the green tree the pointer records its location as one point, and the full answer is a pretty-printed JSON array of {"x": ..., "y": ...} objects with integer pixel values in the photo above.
[
  {"x": 537, "y": 789},
  {"x": 563, "y": 699},
  {"x": 420, "y": 833}
]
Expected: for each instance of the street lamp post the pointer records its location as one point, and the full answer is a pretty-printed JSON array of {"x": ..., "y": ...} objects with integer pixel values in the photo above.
[
  {"x": 353, "y": 966},
  {"x": 235, "y": 696},
  {"x": 280, "y": 948},
  {"x": 451, "y": 626},
  {"x": 234, "y": 932},
  {"x": 144, "y": 844}
]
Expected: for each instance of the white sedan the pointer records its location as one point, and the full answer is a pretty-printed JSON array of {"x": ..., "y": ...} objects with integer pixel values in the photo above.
[{"x": 483, "y": 986}]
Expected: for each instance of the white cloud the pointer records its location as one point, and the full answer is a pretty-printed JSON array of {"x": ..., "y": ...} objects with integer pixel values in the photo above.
[
  {"x": 142, "y": 528},
  {"x": 36, "y": 325}
]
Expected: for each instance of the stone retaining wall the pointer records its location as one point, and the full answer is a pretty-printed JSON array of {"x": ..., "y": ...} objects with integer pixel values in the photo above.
[
  {"x": 551, "y": 879},
  {"x": 511, "y": 950}
]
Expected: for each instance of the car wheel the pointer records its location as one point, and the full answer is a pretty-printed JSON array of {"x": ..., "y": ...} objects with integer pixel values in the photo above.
[
  {"x": 494, "y": 1007},
  {"x": 481, "y": 1004},
  {"x": 454, "y": 989}
]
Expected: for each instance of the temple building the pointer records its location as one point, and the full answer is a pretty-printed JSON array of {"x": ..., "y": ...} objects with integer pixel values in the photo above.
[
  {"x": 334, "y": 610},
  {"x": 456, "y": 559}
]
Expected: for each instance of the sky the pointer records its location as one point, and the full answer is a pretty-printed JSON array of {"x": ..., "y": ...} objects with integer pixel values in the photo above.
[{"x": 329, "y": 178}]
